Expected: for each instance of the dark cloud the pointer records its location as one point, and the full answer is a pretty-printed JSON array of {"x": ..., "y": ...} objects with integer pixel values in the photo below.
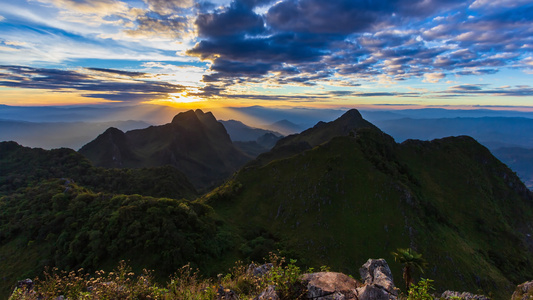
[
  {"x": 65, "y": 80},
  {"x": 325, "y": 17},
  {"x": 119, "y": 72},
  {"x": 235, "y": 20},
  {"x": 302, "y": 41}
]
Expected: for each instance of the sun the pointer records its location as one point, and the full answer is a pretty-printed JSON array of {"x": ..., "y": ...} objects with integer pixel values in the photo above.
[{"x": 184, "y": 97}]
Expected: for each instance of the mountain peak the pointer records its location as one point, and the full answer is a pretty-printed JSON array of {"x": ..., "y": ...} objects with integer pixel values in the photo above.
[
  {"x": 321, "y": 133},
  {"x": 351, "y": 114},
  {"x": 186, "y": 115},
  {"x": 113, "y": 131}
]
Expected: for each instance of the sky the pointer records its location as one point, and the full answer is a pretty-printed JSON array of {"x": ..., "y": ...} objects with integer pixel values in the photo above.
[{"x": 302, "y": 53}]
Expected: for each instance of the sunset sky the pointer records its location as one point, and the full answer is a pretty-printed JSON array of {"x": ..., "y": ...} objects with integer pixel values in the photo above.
[{"x": 314, "y": 53}]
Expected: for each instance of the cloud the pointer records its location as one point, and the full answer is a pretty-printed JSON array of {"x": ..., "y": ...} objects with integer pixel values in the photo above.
[
  {"x": 367, "y": 40},
  {"x": 168, "y": 7},
  {"x": 235, "y": 20},
  {"x": 94, "y": 7},
  {"x": 433, "y": 77},
  {"x": 159, "y": 27},
  {"x": 498, "y": 4},
  {"x": 132, "y": 87},
  {"x": 478, "y": 89}
]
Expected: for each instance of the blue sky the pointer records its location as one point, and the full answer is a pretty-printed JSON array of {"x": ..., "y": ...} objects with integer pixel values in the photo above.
[{"x": 316, "y": 53}]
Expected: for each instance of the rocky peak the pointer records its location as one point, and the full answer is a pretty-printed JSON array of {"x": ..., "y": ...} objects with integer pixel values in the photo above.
[{"x": 186, "y": 117}]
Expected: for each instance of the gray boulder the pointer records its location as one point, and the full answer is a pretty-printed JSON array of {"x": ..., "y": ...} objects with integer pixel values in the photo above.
[
  {"x": 378, "y": 280},
  {"x": 330, "y": 286},
  {"x": 268, "y": 294},
  {"x": 258, "y": 271}
]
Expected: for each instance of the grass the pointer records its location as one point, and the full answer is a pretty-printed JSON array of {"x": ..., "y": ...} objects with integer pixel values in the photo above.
[{"x": 185, "y": 284}]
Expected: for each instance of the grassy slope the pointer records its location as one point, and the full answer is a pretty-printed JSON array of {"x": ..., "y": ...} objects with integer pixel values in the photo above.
[
  {"x": 473, "y": 215},
  {"x": 354, "y": 198}
]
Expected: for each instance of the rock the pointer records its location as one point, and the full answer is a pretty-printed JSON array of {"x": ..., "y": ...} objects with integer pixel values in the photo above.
[
  {"x": 26, "y": 284},
  {"x": 377, "y": 272},
  {"x": 374, "y": 292},
  {"x": 260, "y": 271},
  {"x": 462, "y": 295},
  {"x": 268, "y": 294},
  {"x": 226, "y": 294},
  {"x": 523, "y": 291},
  {"x": 23, "y": 288},
  {"x": 330, "y": 286},
  {"x": 379, "y": 284}
]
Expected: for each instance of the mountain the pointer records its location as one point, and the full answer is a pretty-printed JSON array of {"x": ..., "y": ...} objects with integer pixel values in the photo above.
[
  {"x": 286, "y": 127},
  {"x": 334, "y": 195},
  {"x": 23, "y": 166},
  {"x": 351, "y": 192},
  {"x": 194, "y": 143},
  {"x": 519, "y": 160},
  {"x": 49, "y": 135},
  {"x": 240, "y": 132},
  {"x": 322, "y": 132},
  {"x": 493, "y": 132},
  {"x": 507, "y": 137}
]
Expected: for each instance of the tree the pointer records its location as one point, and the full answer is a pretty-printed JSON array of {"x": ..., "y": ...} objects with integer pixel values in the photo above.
[{"x": 410, "y": 260}]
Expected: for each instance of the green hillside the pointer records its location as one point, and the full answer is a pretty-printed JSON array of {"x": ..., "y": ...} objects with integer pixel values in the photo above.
[
  {"x": 363, "y": 196},
  {"x": 58, "y": 223},
  {"x": 22, "y": 166}
]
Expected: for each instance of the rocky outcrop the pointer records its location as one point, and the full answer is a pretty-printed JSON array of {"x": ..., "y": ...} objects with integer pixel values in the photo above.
[
  {"x": 258, "y": 271},
  {"x": 378, "y": 281},
  {"x": 330, "y": 286},
  {"x": 462, "y": 295},
  {"x": 268, "y": 294},
  {"x": 523, "y": 291}
]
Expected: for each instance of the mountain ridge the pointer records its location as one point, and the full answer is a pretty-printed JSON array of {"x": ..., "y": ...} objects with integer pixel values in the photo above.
[
  {"x": 194, "y": 142},
  {"x": 362, "y": 194}
]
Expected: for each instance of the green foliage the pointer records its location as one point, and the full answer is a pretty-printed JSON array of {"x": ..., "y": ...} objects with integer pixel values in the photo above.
[
  {"x": 21, "y": 167},
  {"x": 75, "y": 228},
  {"x": 285, "y": 278},
  {"x": 410, "y": 260},
  {"x": 421, "y": 291}
]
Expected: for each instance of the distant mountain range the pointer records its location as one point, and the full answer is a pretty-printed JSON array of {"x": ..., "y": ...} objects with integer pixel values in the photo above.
[{"x": 49, "y": 135}]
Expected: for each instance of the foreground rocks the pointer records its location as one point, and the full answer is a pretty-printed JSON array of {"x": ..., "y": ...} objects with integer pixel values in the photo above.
[
  {"x": 376, "y": 284},
  {"x": 378, "y": 281},
  {"x": 463, "y": 295},
  {"x": 523, "y": 291},
  {"x": 330, "y": 286}
]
